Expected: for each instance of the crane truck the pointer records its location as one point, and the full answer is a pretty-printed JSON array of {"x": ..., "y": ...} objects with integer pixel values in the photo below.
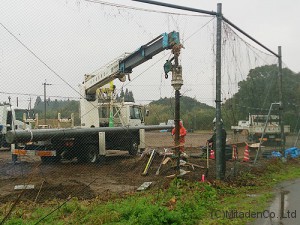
[{"x": 94, "y": 137}]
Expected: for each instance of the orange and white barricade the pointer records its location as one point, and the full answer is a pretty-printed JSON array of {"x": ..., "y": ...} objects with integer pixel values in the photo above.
[
  {"x": 234, "y": 152},
  {"x": 246, "y": 154}
]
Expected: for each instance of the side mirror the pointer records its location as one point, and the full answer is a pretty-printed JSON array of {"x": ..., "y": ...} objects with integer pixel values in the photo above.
[{"x": 147, "y": 112}]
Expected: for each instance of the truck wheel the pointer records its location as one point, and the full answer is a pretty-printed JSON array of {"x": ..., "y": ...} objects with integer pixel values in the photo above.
[
  {"x": 134, "y": 147},
  {"x": 90, "y": 155}
]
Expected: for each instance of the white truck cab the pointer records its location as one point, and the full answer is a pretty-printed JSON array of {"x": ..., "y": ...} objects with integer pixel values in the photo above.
[{"x": 11, "y": 118}]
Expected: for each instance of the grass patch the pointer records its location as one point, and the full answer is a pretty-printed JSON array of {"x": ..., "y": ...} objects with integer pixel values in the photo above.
[{"x": 182, "y": 203}]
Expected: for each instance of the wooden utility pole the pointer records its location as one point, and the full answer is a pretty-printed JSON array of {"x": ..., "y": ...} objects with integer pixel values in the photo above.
[{"x": 45, "y": 103}]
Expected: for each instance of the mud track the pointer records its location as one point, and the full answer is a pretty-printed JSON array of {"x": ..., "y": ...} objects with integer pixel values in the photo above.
[{"x": 119, "y": 174}]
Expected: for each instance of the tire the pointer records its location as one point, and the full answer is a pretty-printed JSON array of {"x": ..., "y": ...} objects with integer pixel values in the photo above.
[
  {"x": 134, "y": 147},
  {"x": 1, "y": 140},
  {"x": 90, "y": 155}
]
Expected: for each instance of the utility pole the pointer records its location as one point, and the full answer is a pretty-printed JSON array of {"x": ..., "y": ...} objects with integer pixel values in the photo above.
[
  {"x": 220, "y": 153},
  {"x": 176, "y": 83},
  {"x": 29, "y": 106},
  {"x": 45, "y": 102}
]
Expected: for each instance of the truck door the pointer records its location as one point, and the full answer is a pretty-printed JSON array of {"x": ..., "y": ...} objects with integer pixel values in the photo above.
[{"x": 136, "y": 116}]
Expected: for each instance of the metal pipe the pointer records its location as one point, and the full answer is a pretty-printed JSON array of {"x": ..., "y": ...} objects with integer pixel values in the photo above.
[
  {"x": 282, "y": 143},
  {"x": 177, "y": 131},
  {"x": 248, "y": 36},
  {"x": 209, "y": 13},
  {"x": 177, "y": 7},
  {"x": 296, "y": 142},
  {"x": 23, "y": 136},
  {"x": 264, "y": 130}
]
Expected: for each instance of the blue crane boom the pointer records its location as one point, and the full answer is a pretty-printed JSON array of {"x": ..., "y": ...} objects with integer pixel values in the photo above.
[
  {"x": 124, "y": 64},
  {"x": 147, "y": 51}
]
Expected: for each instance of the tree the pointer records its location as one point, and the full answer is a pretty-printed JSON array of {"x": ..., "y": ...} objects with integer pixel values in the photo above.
[
  {"x": 37, "y": 101},
  {"x": 130, "y": 97},
  {"x": 195, "y": 115},
  {"x": 120, "y": 98},
  {"x": 126, "y": 97},
  {"x": 260, "y": 90}
]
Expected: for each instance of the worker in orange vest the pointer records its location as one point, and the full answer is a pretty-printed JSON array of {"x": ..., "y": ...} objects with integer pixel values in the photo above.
[{"x": 182, "y": 134}]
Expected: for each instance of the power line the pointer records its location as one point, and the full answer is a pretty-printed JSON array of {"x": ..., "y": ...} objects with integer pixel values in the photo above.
[
  {"x": 38, "y": 58},
  {"x": 37, "y": 95}
]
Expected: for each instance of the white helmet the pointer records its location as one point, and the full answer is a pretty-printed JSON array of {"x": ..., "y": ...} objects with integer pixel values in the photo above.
[{"x": 215, "y": 119}]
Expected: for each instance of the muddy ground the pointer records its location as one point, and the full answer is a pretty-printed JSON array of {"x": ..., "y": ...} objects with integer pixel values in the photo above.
[{"x": 120, "y": 173}]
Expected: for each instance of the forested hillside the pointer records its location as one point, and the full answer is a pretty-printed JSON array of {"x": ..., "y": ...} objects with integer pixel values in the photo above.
[
  {"x": 66, "y": 108},
  {"x": 195, "y": 115}
]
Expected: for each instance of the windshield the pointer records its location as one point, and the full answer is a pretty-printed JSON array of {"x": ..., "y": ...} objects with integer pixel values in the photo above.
[
  {"x": 19, "y": 114},
  {"x": 135, "y": 112}
]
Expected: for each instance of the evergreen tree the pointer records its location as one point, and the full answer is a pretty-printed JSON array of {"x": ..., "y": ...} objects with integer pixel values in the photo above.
[
  {"x": 122, "y": 95},
  {"x": 37, "y": 101},
  {"x": 130, "y": 97},
  {"x": 126, "y": 97}
]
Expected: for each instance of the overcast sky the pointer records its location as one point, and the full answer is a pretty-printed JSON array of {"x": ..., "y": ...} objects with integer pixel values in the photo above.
[{"x": 58, "y": 41}]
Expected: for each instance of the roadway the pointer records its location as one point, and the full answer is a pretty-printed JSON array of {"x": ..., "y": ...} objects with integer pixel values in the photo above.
[{"x": 285, "y": 208}]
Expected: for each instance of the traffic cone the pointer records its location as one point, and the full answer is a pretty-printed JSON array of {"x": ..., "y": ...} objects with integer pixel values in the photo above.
[
  {"x": 212, "y": 154},
  {"x": 246, "y": 154},
  {"x": 234, "y": 153},
  {"x": 203, "y": 178}
]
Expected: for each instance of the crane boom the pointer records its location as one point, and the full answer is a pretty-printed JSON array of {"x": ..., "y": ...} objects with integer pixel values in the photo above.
[{"x": 124, "y": 64}]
